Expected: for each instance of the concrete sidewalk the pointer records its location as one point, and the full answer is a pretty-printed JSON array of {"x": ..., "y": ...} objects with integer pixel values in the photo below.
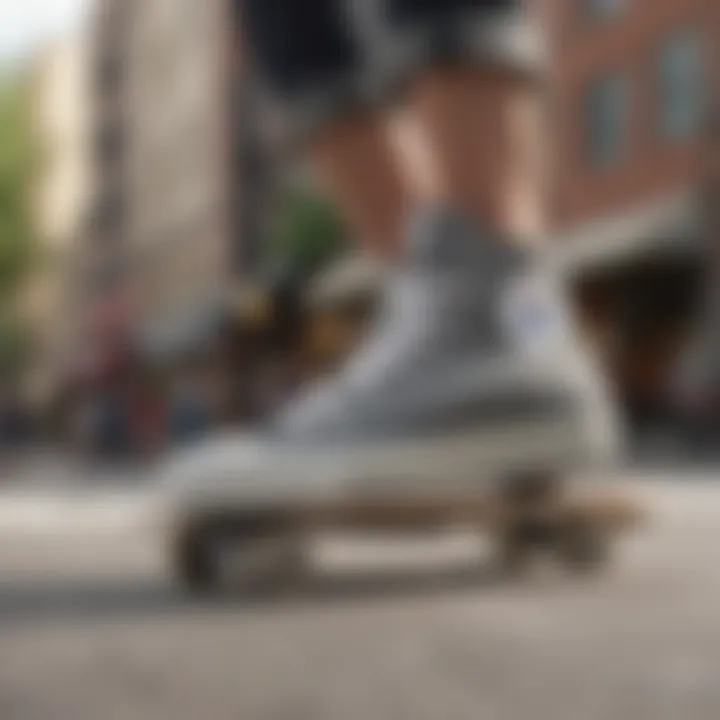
[
  {"x": 76, "y": 504},
  {"x": 49, "y": 467}
]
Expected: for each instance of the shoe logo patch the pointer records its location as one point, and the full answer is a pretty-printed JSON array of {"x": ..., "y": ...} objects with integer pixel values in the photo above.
[{"x": 533, "y": 317}]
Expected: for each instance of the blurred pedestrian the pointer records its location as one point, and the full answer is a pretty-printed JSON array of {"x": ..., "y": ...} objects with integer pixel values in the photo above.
[{"x": 190, "y": 410}]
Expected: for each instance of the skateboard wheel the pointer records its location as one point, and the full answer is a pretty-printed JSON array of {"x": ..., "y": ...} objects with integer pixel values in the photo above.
[
  {"x": 584, "y": 547},
  {"x": 271, "y": 556},
  {"x": 194, "y": 564},
  {"x": 516, "y": 547}
]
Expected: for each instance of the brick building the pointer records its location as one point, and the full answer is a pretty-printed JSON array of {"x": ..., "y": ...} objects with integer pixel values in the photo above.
[
  {"x": 631, "y": 82},
  {"x": 633, "y": 86}
]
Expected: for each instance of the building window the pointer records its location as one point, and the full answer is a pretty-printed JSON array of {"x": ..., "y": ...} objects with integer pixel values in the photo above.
[
  {"x": 680, "y": 85},
  {"x": 603, "y": 9},
  {"x": 607, "y": 120}
]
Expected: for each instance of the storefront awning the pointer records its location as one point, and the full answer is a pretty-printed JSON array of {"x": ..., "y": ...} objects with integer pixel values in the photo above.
[{"x": 672, "y": 225}]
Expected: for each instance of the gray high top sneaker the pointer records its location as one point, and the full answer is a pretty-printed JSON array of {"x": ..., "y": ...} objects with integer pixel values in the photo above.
[
  {"x": 474, "y": 338},
  {"x": 473, "y": 373}
]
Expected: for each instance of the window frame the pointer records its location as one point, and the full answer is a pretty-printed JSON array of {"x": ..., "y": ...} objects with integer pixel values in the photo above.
[
  {"x": 596, "y": 157},
  {"x": 663, "y": 105},
  {"x": 600, "y": 11}
]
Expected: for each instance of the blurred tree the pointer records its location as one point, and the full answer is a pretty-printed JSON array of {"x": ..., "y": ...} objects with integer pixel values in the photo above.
[
  {"x": 309, "y": 232},
  {"x": 15, "y": 346},
  {"x": 19, "y": 158},
  {"x": 18, "y": 163}
]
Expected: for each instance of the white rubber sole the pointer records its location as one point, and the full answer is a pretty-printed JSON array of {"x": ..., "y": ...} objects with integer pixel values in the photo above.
[
  {"x": 461, "y": 462},
  {"x": 454, "y": 465}
]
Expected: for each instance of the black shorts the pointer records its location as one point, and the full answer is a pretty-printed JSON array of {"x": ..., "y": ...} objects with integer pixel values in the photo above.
[{"x": 322, "y": 56}]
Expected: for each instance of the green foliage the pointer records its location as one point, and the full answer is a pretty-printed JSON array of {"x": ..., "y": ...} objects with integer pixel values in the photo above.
[
  {"x": 19, "y": 158},
  {"x": 18, "y": 165},
  {"x": 308, "y": 233},
  {"x": 15, "y": 345}
]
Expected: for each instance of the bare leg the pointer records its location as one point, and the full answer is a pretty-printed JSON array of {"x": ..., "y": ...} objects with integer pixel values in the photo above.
[
  {"x": 471, "y": 141},
  {"x": 357, "y": 168},
  {"x": 308, "y": 54}
]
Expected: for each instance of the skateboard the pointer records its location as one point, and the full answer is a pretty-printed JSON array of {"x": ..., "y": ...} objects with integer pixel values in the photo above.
[{"x": 525, "y": 518}]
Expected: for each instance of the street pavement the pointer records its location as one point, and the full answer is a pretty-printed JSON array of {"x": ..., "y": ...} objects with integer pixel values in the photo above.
[{"x": 92, "y": 627}]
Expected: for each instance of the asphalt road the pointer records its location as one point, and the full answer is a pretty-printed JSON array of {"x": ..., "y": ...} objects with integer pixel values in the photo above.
[{"x": 91, "y": 627}]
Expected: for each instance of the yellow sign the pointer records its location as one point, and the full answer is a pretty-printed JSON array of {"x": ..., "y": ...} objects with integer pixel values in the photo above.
[{"x": 254, "y": 305}]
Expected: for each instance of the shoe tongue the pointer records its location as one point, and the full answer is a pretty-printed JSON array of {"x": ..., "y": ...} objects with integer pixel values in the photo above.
[{"x": 444, "y": 240}]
